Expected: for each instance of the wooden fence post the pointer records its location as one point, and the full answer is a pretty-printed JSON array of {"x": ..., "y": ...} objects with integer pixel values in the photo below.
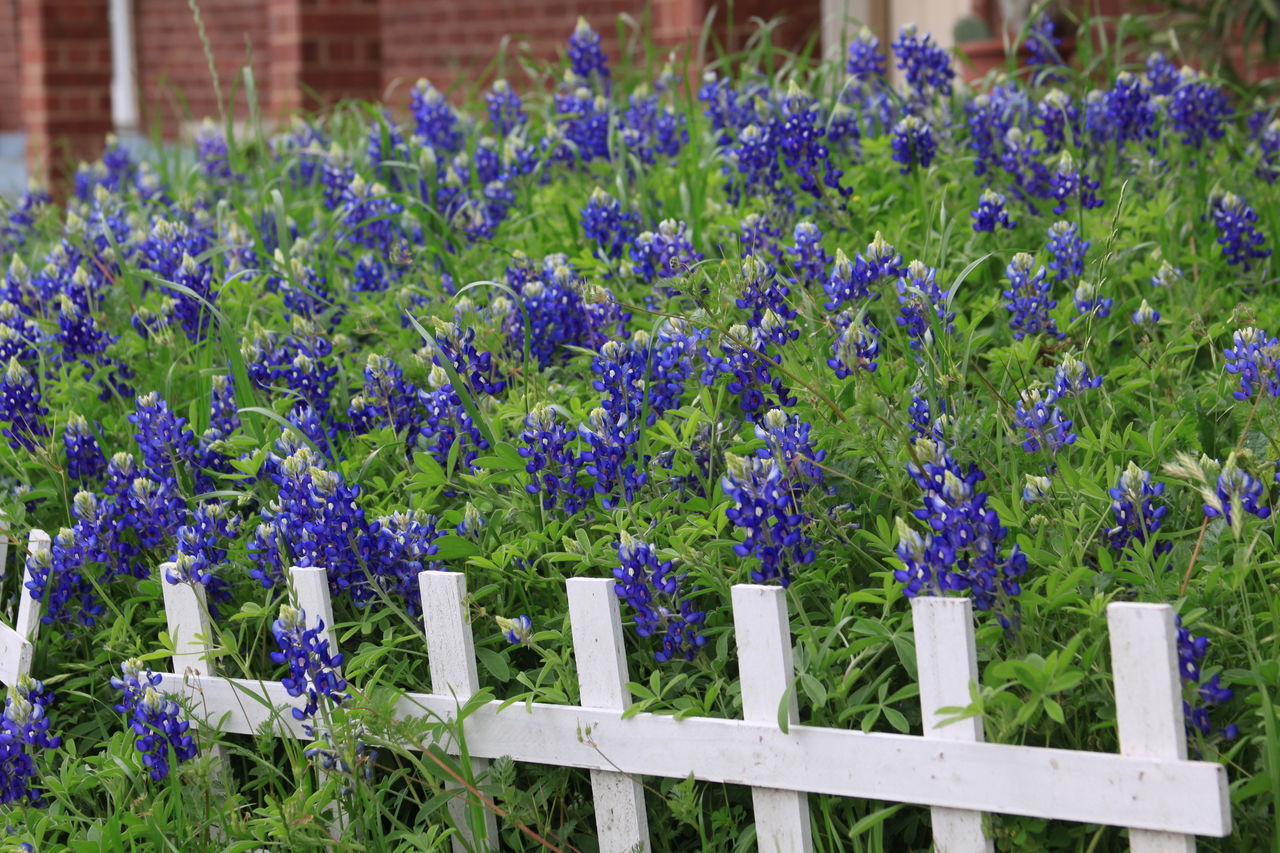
[
  {"x": 451, "y": 656},
  {"x": 766, "y": 668},
  {"x": 311, "y": 591},
  {"x": 621, "y": 821},
  {"x": 947, "y": 661},
  {"x": 28, "y": 624},
  {"x": 191, "y": 632},
  {"x": 1149, "y": 718}
]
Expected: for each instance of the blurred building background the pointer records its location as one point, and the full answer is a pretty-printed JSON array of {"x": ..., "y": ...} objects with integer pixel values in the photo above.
[{"x": 73, "y": 70}]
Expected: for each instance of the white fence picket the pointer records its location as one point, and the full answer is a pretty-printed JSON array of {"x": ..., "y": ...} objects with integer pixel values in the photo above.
[
  {"x": 191, "y": 633},
  {"x": 451, "y": 656},
  {"x": 1149, "y": 717},
  {"x": 311, "y": 592},
  {"x": 17, "y": 645},
  {"x": 947, "y": 663},
  {"x": 621, "y": 821},
  {"x": 766, "y": 668},
  {"x": 1150, "y": 788},
  {"x": 29, "y": 610}
]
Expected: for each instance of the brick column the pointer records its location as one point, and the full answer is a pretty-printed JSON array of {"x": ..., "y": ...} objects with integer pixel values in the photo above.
[
  {"x": 322, "y": 51},
  {"x": 677, "y": 22},
  {"x": 65, "y": 72}
]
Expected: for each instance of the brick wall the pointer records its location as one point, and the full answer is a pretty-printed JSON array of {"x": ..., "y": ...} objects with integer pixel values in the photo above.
[
  {"x": 456, "y": 43},
  {"x": 173, "y": 75},
  {"x": 10, "y": 114}
]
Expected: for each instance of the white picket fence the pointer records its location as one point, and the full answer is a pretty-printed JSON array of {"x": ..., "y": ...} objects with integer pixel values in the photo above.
[{"x": 1150, "y": 787}]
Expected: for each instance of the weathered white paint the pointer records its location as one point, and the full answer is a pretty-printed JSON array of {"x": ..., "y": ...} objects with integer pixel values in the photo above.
[
  {"x": 191, "y": 633},
  {"x": 1144, "y": 661},
  {"x": 311, "y": 592},
  {"x": 947, "y": 663},
  {"x": 621, "y": 821},
  {"x": 124, "y": 77},
  {"x": 1164, "y": 793},
  {"x": 28, "y": 622},
  {"x": 1150, "y": 788},
  {"x": 17, "y": 645},
  {"x": 766, "y": 669},
  {"x": 451, "y": 656}
]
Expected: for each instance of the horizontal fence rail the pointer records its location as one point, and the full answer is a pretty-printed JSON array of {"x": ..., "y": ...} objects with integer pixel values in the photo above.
[
  {"x": 1150, "y": 787},
  {"x": 949, "y": 769}
]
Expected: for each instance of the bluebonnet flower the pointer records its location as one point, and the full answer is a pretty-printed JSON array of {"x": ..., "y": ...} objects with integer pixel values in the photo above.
[
  {"x": 1137, "y": 516},
  {"x": 21, "y": 410},
  {"x": 809, "y": 258},
  {"x": 548, "y": 445},
  {"x": 649, "y": 130},
  {"x": 758, "y": 236},
  {"x": 367, "y": 214},
  {"x": 1073, "y": 377},
  {"x": 865, "y": 62},
  {"x": 1162, "y": 75},
  {"x": 728, "y": 110},
  {"x": 518, "y": 631},
  {"x": 387, "y": 399},
  {"x": 1241, "y": 241},
  {"x": 913, "y": 144},
  {"x": 211, "y": 151},
  {"x": 154, "y": 718},
  {"x": 764, "y": 506},
  {"x": 586, "y": 58},
  {"x": 747, "y": 358},
  {"x": 559, "y": 316},
  {"x": 1198, "y": 110},
  {"x": 58, "y": 579},
  {"x": 22, "y": 216},
  {"x": 665, "y": 253},
  {"x": 610, "y": 438},
  {"x": 478, "y": 370},
  {"x": 1040, "y": 418},
  {"x": 313, "y": 669},
  {"x": 402, "y": 545},
  {"x": 786, "y": 440},
  {"x": 446, "y": 422},
  {"x": 1268, "y": 148},
  {"x": 1166, "y": 276},
  {"x": 24, "y": 733},
  {"x": 166, "y": 443},
  {"x": 315, "y": 521},
  {"x": 662, "y": 608},
  {"x": 921, "y": 304},
  {"x": 1205, "y": 696},
  {"x": 434, "y": 119},
  {"x": 1029, "y": 299},
  {"x": 991, "y": 213},
  {"x": 1066, "y": 251},
  {"x": 764, "y": 291},
  {"x": 962, "y": 551},
  {"x": 336, "y": 173},
  {"x": 85, "y": 460},
  {"x": 202, "y": 551},
  {"x": 1254, "y": 359},
  {"x": 1130, "y": 115},
  {"x": 925, "y": 66},
  {"x": 1236, "y": 492},
  {"x": 1042, "y": 47},
  {"x": 1146, "y": 315},
  {"x": 857, "y": 347},
  {"x": 1037, "y": 488},
  {"x": 753, "y": 166},
  {"x": 506, "y": 109},
  {"x": 606, "y": 222},
  {"x": 990, "y": 116},
  {"x": 1067, "y": 181},
  {"x": 1089, "y": 303},
  {"x": 581, "y": 132},
  {"x": 619, "y": 371},
  {"x": 802, "y": 145}
]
